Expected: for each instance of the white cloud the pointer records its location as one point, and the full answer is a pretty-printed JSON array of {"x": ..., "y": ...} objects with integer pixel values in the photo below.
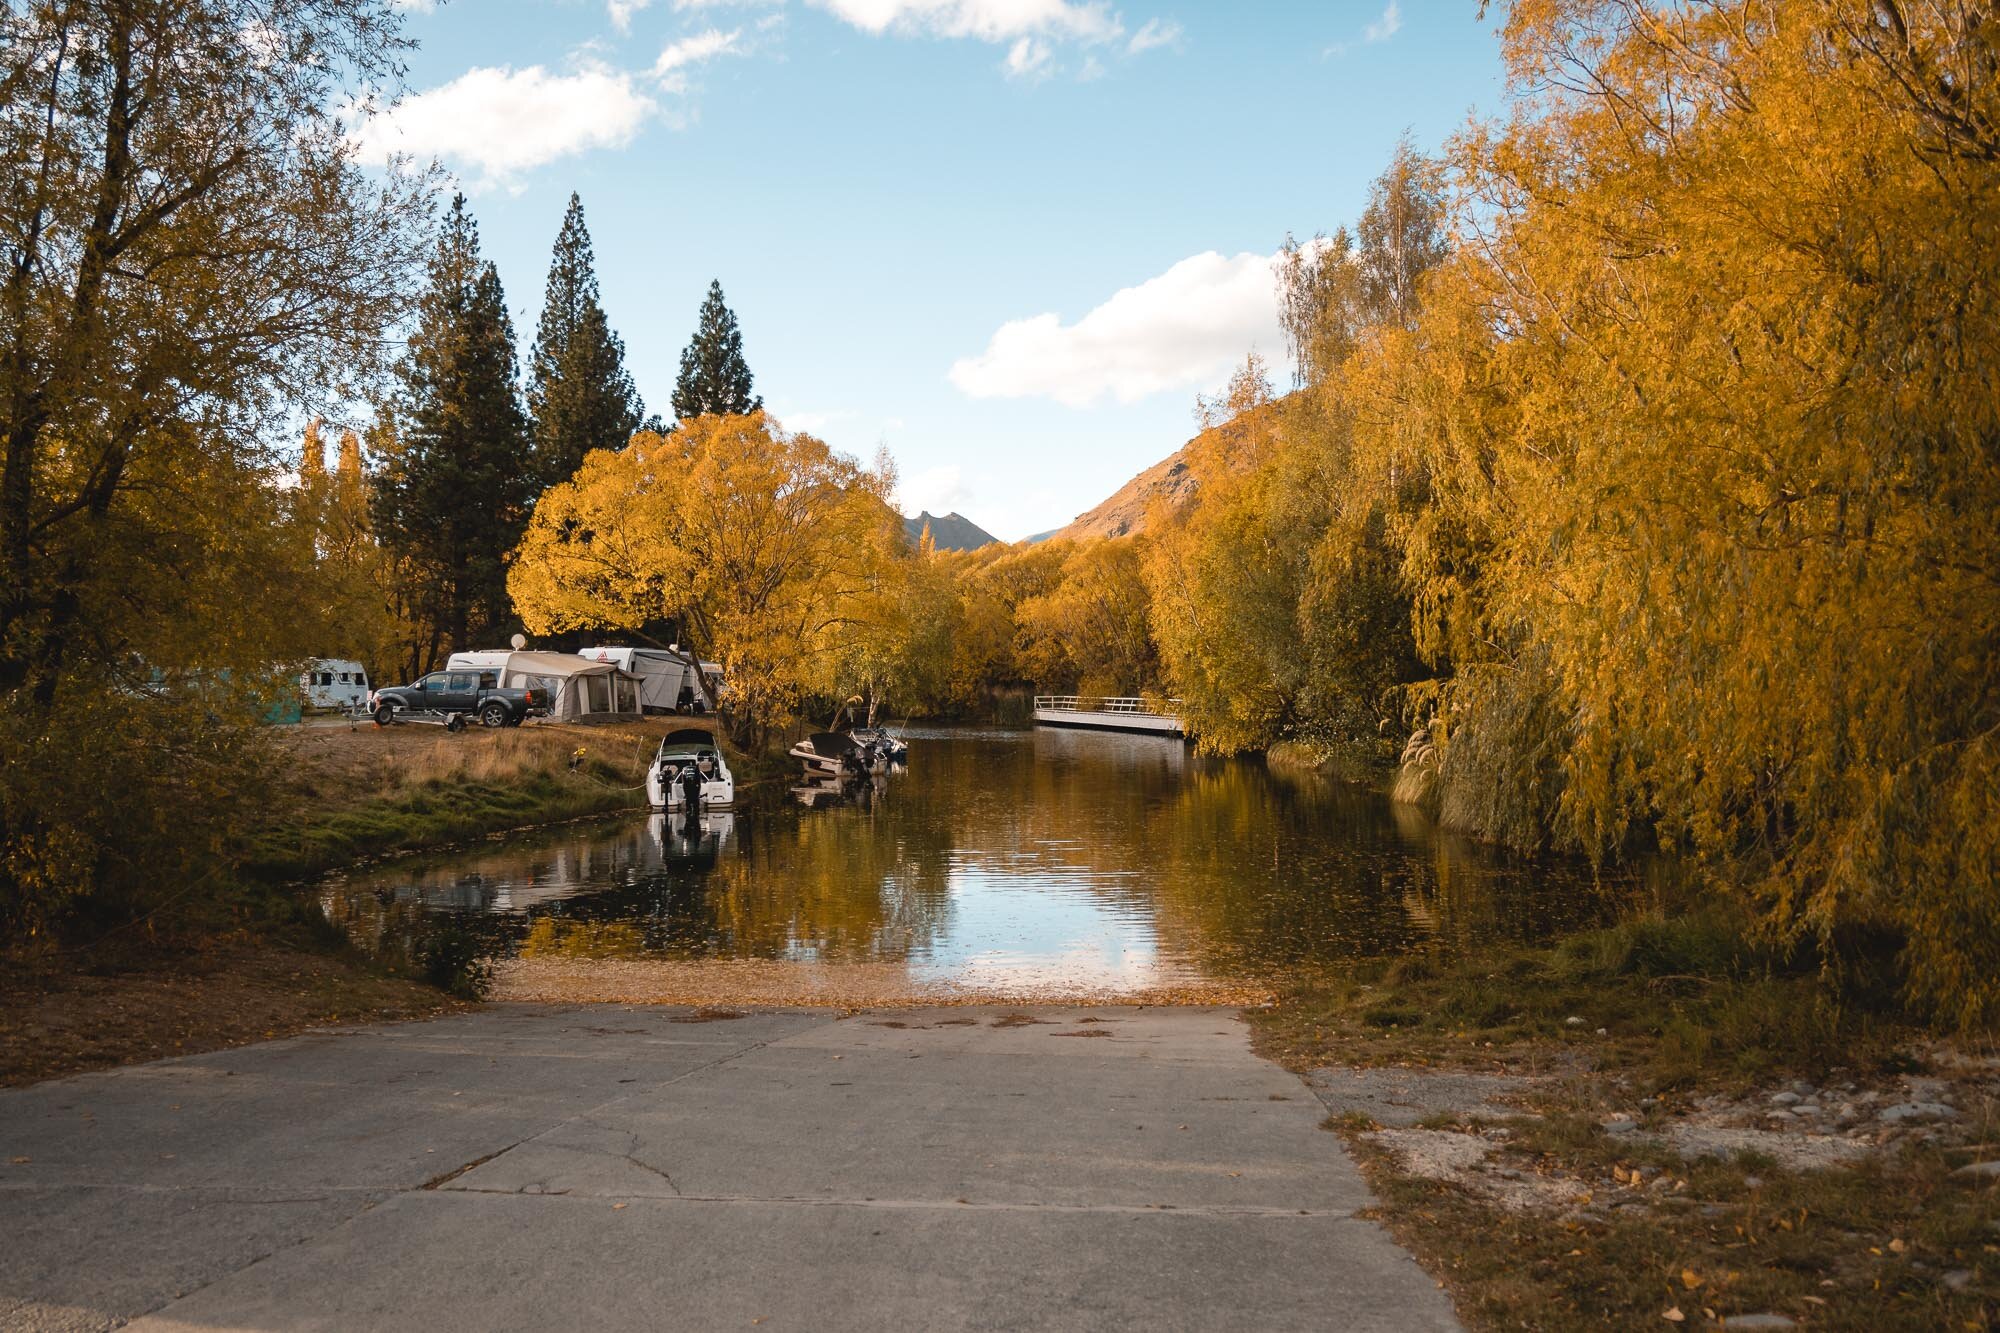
[
  {"x": 987, "y": 20},
  {"x": 1155, "y": 32},
  {"x": 621, "y": 12},
  {"x": 1028, "y": 58},
  {"x": 503, "y": 121},
  {"x": 941, "y": 490},
  {"x": 1382, "y": 29},
  {"x": 418, "y": 6},
  {"x": 1185, "y": 329},
  {"x": 696, "y": 49}
]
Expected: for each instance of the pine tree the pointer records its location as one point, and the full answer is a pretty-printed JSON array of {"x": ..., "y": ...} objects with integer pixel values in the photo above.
[
  {"x": 579, "y": 393},
  {"x": 715, "y": 380},
  {"x": 453, "y": 495}
]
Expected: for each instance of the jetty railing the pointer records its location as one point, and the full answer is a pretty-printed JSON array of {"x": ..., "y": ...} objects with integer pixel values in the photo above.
[{"x": 1090, "y": 703}]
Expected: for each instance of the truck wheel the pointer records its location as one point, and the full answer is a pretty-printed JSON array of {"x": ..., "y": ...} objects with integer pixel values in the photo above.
[
  {"x": 385, "y": 715},
  {"x": 493, "y": 714},
  {"x": 456, "y": 722}
]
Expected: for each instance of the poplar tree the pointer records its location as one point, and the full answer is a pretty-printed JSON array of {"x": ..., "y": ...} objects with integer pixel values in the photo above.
[
  {"x": 714, "y": 380},
  {"x": 580, "y": 395},
  {"x": 452, "y": 496}
]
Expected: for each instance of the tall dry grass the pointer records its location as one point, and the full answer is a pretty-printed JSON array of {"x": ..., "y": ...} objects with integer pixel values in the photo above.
[{"x": 512, "y": 753}]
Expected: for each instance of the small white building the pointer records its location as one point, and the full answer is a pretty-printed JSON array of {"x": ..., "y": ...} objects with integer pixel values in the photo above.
[
  {"x": 334, "y": 682},
  {"x": 578, "y": 690}
]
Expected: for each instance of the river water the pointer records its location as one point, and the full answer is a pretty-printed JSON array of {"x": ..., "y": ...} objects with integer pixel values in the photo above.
[{"x": 1043, "y": 862}]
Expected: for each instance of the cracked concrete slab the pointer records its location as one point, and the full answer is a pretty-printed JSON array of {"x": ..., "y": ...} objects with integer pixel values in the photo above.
[{"x": 528, "y": 1166}]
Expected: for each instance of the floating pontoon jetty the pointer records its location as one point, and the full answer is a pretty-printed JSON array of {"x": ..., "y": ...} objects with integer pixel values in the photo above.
[{"x": 1083, "y": 710}]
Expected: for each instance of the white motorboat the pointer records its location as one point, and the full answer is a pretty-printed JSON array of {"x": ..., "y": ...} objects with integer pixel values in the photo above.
[{"x": 689, "y": 767}]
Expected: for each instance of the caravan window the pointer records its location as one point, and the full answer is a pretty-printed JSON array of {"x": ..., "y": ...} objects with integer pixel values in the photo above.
[{"x": 326, "y": 678}]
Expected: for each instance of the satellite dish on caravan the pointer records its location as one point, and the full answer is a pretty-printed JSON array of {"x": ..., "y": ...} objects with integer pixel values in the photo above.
[{"x": 519, "y": 641}]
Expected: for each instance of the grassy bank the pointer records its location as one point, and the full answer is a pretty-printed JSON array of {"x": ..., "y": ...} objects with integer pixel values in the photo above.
[
  {"x": 1662, "y": 1122},
  {"x": 369, "y": 791},
  {"x": 235, "y": 954}
]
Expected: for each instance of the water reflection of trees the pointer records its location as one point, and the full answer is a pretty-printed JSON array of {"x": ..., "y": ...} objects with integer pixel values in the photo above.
[
  {"x": 1241, "y": 868},
  {"x": 1229, "y": 866},
  {"x": 841, "y": 884}
]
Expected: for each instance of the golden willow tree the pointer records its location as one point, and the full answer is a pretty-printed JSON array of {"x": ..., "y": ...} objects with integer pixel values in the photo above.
[
  {"x": 1275, "y": 593},
  {"x": 191, "y": 257},
  {"x": 770, "y": 550},
  {"x": 1707, "y": 415},
  {"x": 349, "y": 593}
]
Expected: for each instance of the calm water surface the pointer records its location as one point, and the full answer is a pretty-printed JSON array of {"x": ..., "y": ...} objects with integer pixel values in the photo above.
[{"x": 1001, "y": 860}]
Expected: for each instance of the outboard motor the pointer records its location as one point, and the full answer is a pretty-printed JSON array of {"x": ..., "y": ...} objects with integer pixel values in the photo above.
[{"x": 690, "y": 784}]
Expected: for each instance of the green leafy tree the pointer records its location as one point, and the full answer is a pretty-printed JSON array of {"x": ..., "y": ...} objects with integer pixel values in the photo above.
[
  {"x": 715, "y": 380},
  {"x": 580, "y": 395},
  {"x": 453, "y": 494}
]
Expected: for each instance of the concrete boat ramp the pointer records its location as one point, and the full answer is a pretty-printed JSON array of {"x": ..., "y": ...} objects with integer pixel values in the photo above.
[{"x": 529, "y": 1167}]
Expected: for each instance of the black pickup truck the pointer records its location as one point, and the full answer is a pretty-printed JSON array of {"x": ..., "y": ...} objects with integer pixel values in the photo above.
[{"x": 458, "y": 694}]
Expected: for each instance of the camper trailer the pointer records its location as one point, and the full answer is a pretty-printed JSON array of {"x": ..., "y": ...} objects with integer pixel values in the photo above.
[
  {"x": 577, "y": 689},
  {"x": 668, "y": 680},
  {"x": 334, "y": 682}
]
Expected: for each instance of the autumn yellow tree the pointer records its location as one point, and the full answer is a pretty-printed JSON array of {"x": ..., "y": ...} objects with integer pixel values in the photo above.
[
  {"x": 1704, "y": 407},
  {"x": 768, "y": 547},
  {"x": 1089, "y": 632},
  {"x": 194, "y": 258}
]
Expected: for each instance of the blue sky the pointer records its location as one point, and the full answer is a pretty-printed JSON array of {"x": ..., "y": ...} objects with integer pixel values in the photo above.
[{"x": 1009, "y": 239}]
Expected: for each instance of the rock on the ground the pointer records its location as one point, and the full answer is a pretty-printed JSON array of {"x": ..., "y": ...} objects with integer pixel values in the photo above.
[
  {"x": 1907, "y": 1112},
  {"x": 1980, "y": 1170}
]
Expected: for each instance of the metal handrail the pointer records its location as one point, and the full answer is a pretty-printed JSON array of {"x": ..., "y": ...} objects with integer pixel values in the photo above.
[{"x": 1091, "y": 703}]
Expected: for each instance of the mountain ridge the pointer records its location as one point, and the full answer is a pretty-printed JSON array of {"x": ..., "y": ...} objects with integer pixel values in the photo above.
[{"x": 949, "y": 532}]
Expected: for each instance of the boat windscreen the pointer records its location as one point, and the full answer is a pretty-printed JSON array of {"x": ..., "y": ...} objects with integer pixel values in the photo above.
[
  {"x": 830, "y": 743},
  {"x": 689, "y": 736}
]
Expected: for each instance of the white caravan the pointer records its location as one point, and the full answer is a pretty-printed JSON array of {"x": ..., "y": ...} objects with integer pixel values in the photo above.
[{"x": 334, "y": 682}]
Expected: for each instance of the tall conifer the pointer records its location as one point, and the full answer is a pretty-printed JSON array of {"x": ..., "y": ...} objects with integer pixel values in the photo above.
[
  {"x": 453, "y": 494},
  {"x": 579, "y": 393},
  {"x": 715, "y": 380}
]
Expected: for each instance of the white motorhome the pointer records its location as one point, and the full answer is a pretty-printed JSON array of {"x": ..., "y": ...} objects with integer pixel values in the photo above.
[
  {"x": 668, "y": 680},
  {"x": 334, "y": 682}
]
